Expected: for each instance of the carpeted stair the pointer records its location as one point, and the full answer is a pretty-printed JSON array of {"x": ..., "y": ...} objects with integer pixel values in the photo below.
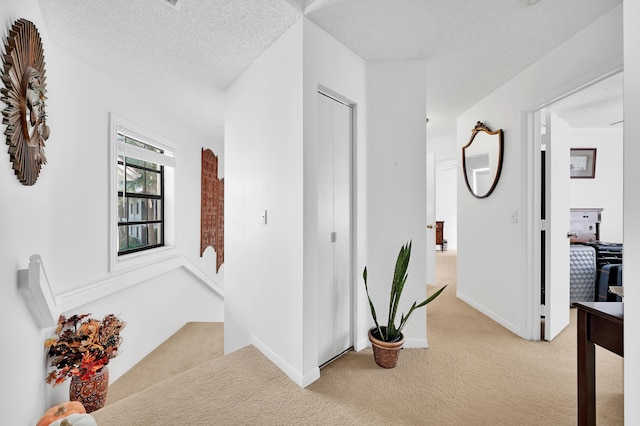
[
  {"x": 173, "y": 357},
  {"x": 243, "y": 387}
]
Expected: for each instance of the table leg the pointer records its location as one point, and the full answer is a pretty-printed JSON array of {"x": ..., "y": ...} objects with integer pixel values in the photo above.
[{"x": 586, "y": 372}]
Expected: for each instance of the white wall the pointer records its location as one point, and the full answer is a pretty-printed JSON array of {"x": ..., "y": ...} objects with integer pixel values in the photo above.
[
  {"x": 64, "y": 218},
  {"x": 493, "y": 256},
  {"x": 605, "y": 190},
  {"x": 396, "y": 185},
  {"x": 631, "y": 208},
  {"x": 264, "y": 171},
  {"x": 24, "y": 224},
  {"x": 443, "y": 147}
]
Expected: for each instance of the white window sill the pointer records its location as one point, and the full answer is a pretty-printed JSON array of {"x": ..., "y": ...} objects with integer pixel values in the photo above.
[{"x": 142, "y": 258}]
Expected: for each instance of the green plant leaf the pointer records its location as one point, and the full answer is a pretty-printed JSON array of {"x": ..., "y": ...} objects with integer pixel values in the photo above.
[
  {"x": 373, "y": 309},
  {"x": 415, "y": 306},
  {"x": 397, "y": 285}
]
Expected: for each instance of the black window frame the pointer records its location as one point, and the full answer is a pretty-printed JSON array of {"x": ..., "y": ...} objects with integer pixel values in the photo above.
[{"x": 160, "y": 198}]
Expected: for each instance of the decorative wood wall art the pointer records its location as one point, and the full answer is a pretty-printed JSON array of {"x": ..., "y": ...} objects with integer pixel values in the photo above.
[
  {"x": 212, "y": 209},
  {"x": 24, "y": 95}
]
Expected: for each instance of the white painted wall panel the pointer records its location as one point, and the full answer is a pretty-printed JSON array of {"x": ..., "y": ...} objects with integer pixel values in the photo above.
[
  {"x": 264, "y": 171},
  {"x": 396, "y": 196}
]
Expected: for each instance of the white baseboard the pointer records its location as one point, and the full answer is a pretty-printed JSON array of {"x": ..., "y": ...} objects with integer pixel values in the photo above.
[
  {"x": 497, "y": 318},
  {"x": 361, "y": 344},
  {"x": 415, "y": 343},
  {"x": 302, "y": 380}
]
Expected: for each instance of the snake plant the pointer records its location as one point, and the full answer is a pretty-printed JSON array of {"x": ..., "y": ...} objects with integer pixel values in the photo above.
[{"x": 391, "y": 333}]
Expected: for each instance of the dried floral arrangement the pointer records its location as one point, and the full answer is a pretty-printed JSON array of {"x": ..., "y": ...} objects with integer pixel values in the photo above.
[{"x": 82, "y": 346}]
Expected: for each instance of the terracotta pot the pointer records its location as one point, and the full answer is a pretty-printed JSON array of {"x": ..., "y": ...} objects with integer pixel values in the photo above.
[
  {"x": 385, "y": 353},
  {"x": 91, "y": 393}
]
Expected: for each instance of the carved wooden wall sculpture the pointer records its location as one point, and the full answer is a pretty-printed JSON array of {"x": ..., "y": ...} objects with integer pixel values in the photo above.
[
  {"x": 24, "y": 96},
  {"x": 212, "y": 210}
]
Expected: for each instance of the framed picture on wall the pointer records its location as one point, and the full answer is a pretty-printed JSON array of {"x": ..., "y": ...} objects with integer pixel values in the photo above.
[{"x": 583, "y": 163}]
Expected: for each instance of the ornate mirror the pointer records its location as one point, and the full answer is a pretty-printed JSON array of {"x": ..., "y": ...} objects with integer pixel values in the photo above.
[{"x": 482, "y": 160}]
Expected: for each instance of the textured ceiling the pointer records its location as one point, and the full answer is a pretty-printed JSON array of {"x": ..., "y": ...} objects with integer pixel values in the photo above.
[
  {"x": 599, "y": 105},
  {"x": 183, "y": 58}
]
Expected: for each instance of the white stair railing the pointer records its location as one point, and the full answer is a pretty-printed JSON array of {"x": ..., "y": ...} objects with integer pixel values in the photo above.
[
  {"x": 38, "y": 294},
  {"x": 47, "y": 307}
]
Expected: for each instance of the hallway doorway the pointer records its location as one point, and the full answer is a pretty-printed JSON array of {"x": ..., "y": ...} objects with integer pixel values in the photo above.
[{"x": 590, "y": 117}]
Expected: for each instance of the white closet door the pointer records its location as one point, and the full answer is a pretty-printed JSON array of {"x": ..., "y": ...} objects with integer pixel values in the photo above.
[{"x": 334, "y": 228}]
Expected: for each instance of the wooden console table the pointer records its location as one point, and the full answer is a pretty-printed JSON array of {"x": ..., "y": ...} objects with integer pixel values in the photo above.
[{"x": 602, "y": 324}]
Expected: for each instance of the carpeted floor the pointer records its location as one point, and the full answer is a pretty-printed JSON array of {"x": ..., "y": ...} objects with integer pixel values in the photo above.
[{"x": 475, "y": 372}]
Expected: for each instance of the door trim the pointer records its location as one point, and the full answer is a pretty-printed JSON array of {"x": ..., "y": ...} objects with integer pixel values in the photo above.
[{"x": 531, "y": 163}]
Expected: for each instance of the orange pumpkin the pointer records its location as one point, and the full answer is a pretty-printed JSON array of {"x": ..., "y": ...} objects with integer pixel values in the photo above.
[{"x": 61, "y": 411}]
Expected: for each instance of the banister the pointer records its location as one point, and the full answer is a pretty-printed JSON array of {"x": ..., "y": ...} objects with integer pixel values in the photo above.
[{"x": 46, "y": 307}]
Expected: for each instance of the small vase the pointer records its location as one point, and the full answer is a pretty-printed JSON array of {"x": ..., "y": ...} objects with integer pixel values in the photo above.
[
  {"x": 91, "y": 393},
  {"x": 385, "y": 353}
]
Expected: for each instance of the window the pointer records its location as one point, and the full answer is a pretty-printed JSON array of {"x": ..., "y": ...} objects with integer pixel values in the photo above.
[{"x": 142, "y": 172}]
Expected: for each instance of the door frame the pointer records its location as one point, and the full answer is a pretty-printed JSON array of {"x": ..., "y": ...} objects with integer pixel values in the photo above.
[
  {"x": 431, "y": 162},
  {"x": 353, "y": 196},
  {"x": 534, "y": 227}
]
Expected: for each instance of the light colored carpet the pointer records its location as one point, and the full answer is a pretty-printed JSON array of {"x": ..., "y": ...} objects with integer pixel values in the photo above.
[
  {"x": 171, "y": 358},
  {"x": 474, "y": 373}
]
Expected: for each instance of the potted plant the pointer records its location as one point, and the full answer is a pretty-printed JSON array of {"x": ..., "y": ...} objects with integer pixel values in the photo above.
[
  {"x": 81, "y": 350},
  {"x": 387, "y": 341}
]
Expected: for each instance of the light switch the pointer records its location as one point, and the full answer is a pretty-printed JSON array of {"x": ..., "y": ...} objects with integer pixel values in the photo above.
[
  {"x": 263, "y": 217},
  {"x": 514, "y": 216}
]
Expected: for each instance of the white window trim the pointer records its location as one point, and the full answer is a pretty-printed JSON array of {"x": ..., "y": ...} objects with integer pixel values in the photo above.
[{"x": 133, "y": 260}]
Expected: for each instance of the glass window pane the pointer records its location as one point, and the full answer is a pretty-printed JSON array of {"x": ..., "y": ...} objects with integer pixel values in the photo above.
[
  {"x": 152, "y": 166},
  {"x": 138, "y": 179},
  {"x": 120, "y": 178},
  {"x": 152, "y": 183},
  {"x": 143, "y": 209},
  {"x": 135, "y": 180},
  {"x": 134, "y": 209},
  {"x": 154, "y": 211},
  {"x": 122, "y": 238},
  {"x": 122, "y": 211},
  {"x": 137, "y": 236},
  {"x": 140, "y": 144},
  {"x": 154, "y": 234},
  {"x": 134, "y": 162}
]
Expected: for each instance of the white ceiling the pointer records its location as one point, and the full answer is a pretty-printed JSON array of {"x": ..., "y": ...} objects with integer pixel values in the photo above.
[
  {"x": 183, "y": 58},
  {"x": 599, "y": 105}
]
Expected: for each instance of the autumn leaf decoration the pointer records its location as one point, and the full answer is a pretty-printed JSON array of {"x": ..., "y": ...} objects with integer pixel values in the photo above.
[{"x": 82, "y": 346}]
